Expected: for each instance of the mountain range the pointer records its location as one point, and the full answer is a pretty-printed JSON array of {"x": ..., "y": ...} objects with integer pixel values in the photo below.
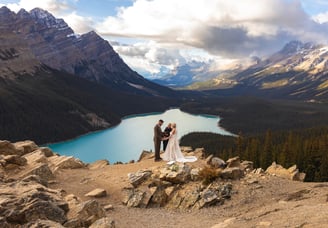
[
  {"x": 55, "y": 85},
  {"x": 53, "y": 43},
  {"x": 297, "y": 71}
]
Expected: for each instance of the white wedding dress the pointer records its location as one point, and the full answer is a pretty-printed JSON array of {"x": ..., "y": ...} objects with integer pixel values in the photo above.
[{"x": 173, "y": 152}]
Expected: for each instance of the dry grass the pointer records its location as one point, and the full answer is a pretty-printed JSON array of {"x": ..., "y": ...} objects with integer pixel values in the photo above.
[{"x": 209, "y": 174}]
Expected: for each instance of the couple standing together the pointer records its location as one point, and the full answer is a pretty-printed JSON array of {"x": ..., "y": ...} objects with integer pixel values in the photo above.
[{"x": 172, "y": 151}]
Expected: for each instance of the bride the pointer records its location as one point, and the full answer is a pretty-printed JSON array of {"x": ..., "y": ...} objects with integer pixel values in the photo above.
[{"x": 173, "y": 152}]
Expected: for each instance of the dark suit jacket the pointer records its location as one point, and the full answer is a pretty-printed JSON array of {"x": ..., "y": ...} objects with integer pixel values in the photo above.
[
  {"x": 167, "y": 131},
  {"x": 158, "y": 134}
]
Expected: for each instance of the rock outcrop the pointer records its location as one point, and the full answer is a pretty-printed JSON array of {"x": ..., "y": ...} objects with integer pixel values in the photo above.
[
  {"x": 27, "y": 173},
  {"x": 176, "y": 186},
  {"x": 291, "y": 173},
  {"x": 26, "y": 199}
]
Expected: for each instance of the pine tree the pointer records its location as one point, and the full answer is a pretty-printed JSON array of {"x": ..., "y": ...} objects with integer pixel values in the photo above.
[{"x": 266, "y": 155}]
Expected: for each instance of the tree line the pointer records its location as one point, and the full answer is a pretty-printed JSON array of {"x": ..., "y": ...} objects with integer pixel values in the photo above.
[{"x": 307, "y": 148}]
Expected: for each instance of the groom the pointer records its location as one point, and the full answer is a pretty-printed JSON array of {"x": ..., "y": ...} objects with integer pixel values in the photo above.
[{"x": 158, "y": 137}]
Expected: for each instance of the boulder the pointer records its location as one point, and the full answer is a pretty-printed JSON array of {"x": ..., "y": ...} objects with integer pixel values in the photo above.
[
  {"x": 159, "y": 197},
  {"x": 84, "y": 214},
  {"x": 217, "y": 163},
  {"x": 209, "y": 159},
  {"x": 15, "y": 159},
  {"x": 7, "y": 148},
  {"x": 133, "y": 197},
  {"x": 234, "y": 173},
  {"x": 258, "y": 171},
  {"x": 109, "y": 207},
  {"x": 25, "y": 147},
  {"x": 214, "y": 194},
  {"x": 189, "y": 199},
  {"x": 104, "y": 222},
  {"x": 176, "y": 201},
  {"x": 39, "y": 169},
  {"x": 46, "y": 151},
  {"x": 65, "y": 162},
  {"x": 139, "y": 177},
  {"x": 98, "y": 164},
  {"x": 44, "y": 224},
  {"x": 36, "y": 156},
  {"x": 98, "y": 192},
  {"x": 176, "y": 173},
  {"x": 208, "y": 197},
  {"x": 292, "y": 173},
  {"x": 26, "y": 201},
  {"x": 233, "y": 162},
  {"x": 295, "y": 174},
  {"x": 146, "y": 155},
  {"x": 247, "y": 165},
  {"x": 36, "y": 179}
]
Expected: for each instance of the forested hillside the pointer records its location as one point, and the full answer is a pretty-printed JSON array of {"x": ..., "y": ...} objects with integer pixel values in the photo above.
[
  {"x": 53, "y": 106},
  {"x": 308, "y": 148}
]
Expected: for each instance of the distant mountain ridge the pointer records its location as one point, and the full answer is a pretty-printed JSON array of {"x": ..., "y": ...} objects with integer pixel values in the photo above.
[
  {"x": 298, "y": 71},
  {"x": 88, "y": 56}
]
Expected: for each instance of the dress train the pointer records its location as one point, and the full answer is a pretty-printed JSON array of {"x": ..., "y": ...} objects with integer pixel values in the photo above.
[{"x": 173, "y": 152}]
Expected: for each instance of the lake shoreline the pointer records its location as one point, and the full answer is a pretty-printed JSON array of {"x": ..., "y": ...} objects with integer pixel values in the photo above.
[
  {"x": 123, "y": 118},
  {"x": 119, "y": 143}
]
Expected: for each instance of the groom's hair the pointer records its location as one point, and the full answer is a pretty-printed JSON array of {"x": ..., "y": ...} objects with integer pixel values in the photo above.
[{"x": 161, "y": 121}]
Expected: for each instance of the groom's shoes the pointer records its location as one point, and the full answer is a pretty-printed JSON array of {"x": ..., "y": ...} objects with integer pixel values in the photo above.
[{"x": 158, "y": 159}]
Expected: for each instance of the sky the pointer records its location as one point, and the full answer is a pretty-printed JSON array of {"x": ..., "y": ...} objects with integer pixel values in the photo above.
[{"x": 156, "y": 36}]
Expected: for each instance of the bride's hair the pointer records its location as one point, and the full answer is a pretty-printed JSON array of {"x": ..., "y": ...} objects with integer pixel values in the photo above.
[{"x": 173, "y": 125}]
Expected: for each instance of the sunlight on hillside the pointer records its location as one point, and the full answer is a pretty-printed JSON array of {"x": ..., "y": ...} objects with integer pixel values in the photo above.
[
  {"x": 275, "y": 84},
  {"x": 323, "y": 85}
]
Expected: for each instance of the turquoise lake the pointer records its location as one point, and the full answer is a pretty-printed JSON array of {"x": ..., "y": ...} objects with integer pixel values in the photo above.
[{"x": 134, "y": 134}]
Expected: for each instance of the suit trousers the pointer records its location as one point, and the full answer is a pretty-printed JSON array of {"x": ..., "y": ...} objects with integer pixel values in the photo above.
[{"x": 157, "y": 144}]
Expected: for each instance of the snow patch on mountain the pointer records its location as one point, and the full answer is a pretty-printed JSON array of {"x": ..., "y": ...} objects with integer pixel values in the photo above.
[{"x": 48, "y": 19}]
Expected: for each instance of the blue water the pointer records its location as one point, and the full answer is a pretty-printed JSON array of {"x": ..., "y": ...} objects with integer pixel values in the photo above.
[{"x": 134, "y": 134}]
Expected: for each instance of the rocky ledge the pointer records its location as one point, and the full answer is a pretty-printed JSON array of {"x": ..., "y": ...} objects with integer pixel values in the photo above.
[
  {"x": 31, "y": 177},
  {"x": 25, "y": 199}
]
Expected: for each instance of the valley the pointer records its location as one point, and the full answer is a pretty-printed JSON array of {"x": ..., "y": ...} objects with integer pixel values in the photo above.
[{"x": 266, "y": 167}]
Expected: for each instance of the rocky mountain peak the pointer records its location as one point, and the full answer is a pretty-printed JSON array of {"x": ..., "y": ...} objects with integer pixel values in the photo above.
[
  {"x": 4, "y": 10},
  {"x": 296, "y": 46},
  {"x": 292, "y": 47},
  {"x": 5, "y": 15},
  {"x": 22, "y": 13},
  {"x": 88, "y": 56},
  {"x": 46, "y": 18}
]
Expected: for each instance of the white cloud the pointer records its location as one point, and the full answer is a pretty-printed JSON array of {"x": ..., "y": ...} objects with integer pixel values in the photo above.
[
  {"x": 229, "y": 28},
  {"x": 53, "y": 6},
  {"x": 150, "y": 56},
  {"x": 321, "y": 18},
  {"x": 177, "y": 32},
  {"x": 78, "y": 23}
]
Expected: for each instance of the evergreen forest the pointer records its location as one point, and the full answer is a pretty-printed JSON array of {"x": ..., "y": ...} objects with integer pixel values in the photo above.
[{"x": 307, "y": 148}]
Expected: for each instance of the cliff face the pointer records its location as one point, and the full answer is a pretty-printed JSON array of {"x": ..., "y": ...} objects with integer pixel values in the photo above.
[
  {"x": 15, "y": 55},
  {"x": 54, "y": 43},
  {"x": 51, "y": 78}
]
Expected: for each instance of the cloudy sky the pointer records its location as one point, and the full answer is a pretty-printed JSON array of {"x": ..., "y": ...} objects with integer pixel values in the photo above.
[{"x": 155, "y": 36}]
